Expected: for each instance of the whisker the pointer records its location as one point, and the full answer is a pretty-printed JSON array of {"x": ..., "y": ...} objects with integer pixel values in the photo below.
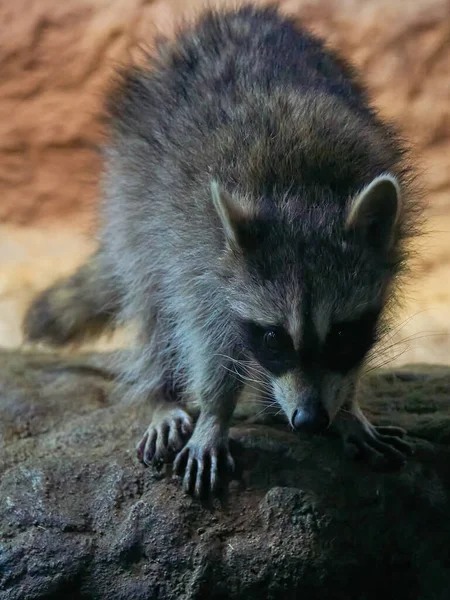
[
  {"x": 247, "y": 365},
  {"x": 390, "y": 332},
  {"x": 254, "y": 400},
  {"x": 266, "y": 408},
  {"x": 384, "y": 363},
  {"x": 263, "y": 392},
  {"x": 407, "y": 340},
  {"x": 264, "y": 385}
]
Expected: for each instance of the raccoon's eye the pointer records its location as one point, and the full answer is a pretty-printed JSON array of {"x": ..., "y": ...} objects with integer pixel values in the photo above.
[
  {"x": 271, "y": 346},
  {"x": 272, "y": 340},
  {"x": 347, "y": 343},
  {"x": 341, "y": 335},
  {"x": 277, "y": 341}
]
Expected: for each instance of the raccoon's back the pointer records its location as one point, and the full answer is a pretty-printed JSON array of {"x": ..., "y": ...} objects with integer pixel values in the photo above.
[
  {"x": 245, "y": 97},
  {"x": 197, "y": 83}
]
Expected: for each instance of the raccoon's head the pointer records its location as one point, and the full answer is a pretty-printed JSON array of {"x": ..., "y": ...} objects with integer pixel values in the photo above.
[{"x": 307, "y": 283}]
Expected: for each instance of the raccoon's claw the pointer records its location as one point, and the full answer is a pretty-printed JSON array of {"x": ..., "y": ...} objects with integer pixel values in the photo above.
[
  {"x": 380, "y": 449},
  {"x": 381, "y": 446},
  {"x": 391, "y": 430},
  {"x": 202, "y": 466},
  {"x": 164, "y": 437}
]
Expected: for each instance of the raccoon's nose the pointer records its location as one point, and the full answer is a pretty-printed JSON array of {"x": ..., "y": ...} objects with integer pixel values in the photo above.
[{"x": 310, "y": 419}]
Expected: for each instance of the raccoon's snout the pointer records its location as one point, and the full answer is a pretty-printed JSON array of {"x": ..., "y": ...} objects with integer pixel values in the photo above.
[{"x": 311, "y": 418}]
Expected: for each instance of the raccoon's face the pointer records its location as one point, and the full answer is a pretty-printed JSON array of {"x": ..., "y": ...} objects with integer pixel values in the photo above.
[
  {"x": 312, "y": 375},
  {"x": 308, "y": 298}
]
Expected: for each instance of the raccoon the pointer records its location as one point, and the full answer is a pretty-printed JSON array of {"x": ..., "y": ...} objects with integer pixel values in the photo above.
[{"x": 256, "y": 218}]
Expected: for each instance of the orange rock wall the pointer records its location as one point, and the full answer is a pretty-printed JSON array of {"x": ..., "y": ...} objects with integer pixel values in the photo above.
[{"x": 56, "y": 58}]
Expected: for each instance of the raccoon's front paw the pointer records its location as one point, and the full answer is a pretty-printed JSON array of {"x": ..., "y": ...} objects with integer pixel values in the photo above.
[
  {"x": 382, "y": 447},
  {"x": 165, "y": 436},
  {"x": 204, "y": 462}
]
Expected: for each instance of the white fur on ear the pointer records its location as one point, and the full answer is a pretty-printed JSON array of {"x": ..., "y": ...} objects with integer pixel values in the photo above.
[
  {"x": 374, "y": 212},
  {"x": 231, "y": 213}
]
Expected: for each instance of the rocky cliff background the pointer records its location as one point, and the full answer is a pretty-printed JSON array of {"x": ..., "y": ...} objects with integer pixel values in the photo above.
[{"x": 56, "y": 59}]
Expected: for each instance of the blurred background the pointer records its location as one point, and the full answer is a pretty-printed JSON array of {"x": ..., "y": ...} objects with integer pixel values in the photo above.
[{"x": 56, "y": 59}]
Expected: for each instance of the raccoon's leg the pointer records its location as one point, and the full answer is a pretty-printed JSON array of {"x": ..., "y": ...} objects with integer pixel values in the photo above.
[
  {"x": 168, "y": 432},
  {"x": 80, "y": 305},
  {"x": 153, "y": 366},
  {"x": 381, "y": 446},
  {"x": 206, "y": 456}
]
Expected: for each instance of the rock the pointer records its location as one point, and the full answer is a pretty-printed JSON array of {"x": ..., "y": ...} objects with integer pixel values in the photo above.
[
  {"x": 56, "y": 61},
  {"x": 80, "y": 518}
]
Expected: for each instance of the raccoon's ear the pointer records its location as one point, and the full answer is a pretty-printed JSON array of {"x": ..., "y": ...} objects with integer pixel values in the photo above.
[
  {"x": 232, "y": 214},
  {"x": 375, "y": 211}
]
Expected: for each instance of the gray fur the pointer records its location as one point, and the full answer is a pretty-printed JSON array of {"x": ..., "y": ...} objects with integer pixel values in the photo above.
[{"x": 247, "y": 105}]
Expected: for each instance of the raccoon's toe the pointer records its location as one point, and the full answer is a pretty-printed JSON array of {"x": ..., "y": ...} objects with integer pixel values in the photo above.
[
  {"x": 391, "y": 430},
  {"x": 145, "y": 449},
  {"x": 164, "y": 438},
  {"x": 45, "y": 322},
  {"x": 382, "y": 451},
  {"x": 203, "y": 468},
  {"x": 382, "y": 447}
]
